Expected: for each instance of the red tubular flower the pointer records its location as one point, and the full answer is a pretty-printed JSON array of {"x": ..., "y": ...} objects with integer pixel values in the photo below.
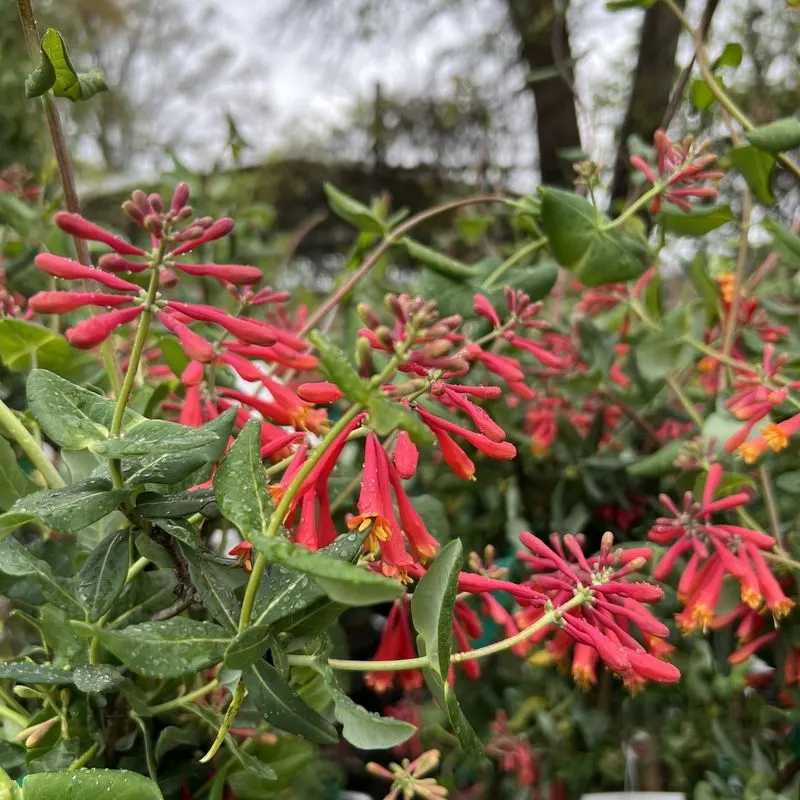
[
  {"x": 405, "y": 456},
  {"x": 276, "y": 354},
  {"x": 483, "y": 308},
  {"x": 458, "y": 461},
  {"x": 479, "y": 416},
  {"x": 538, "y": 352},
  {"x": 76, "y": 225},
  {"x": 70, "y": 270},
  {"x": 195, "y": 346},
  {"x": 93, "y": 331},
  {"x": 114, "y": 262},
  {"x": 222, "y": 227},
  {"x": 321, "y": 392},
  {"x": 247, "y": 330},
  {"x": 64, "y": 302},
  {"x": 225, "y": 273},
  {"x": 422, "y": 543},
  {"x": 396, "y": 643},
  {"x": 192, "y": 409},
  {"x": 374, "y": 503},
  {"x": 487, "y": 446},
  {"x": 507, "y": 368},
  {"x": 193, "y": 374}
]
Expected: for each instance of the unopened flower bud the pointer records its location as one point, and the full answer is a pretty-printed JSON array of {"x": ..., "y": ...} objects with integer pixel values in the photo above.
[
  {"x": 394, "y": 305},
  {"x": 204, "y": 222},
  {"x": 152, "y": 223},
  {"x": 384, "y": 336},
  {"x": 26, "y": 693},
  {"x": 167, "y": 278},
  {"x": 133, "y": 211},
  {"x": 192, "y": 232},
  {"x": 179, "y": 197},
  {"x": 156, "y": 203},
  {"x": 364, "y": 357},
  {"x": 34, "y": 734},
  {"x": 434, "y": 350},
  {"x": 184, "y": 213},
  {"x": 606, "y": 543},
  {"x": 140, "y": 198},
  {"x": 437, "y": 388},
  {"x": 451, "y": 322},
  {"x": 368, "y": 316}
]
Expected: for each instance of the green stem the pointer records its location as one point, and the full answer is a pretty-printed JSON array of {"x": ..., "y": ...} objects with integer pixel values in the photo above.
[
  {"x": 275, "y": 521},
  {"x": 228, "y": 720},
  {"x": 185, "y": 699},
  {"x": 653, "y": 192},
  {"x": 14, "y": 716},
  {"x": 20, "y": 434},
  {"x": 685, "y": 402},
  {"x": 82, "y": 760},
  {"x": 133, "y": 367},
  {"x": 420, "y": 662},
  {"x": 529, "y": 248}
]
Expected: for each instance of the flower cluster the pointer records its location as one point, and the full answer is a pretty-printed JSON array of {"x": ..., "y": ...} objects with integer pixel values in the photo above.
[
  {"x": 714, "y": 550},
  {"x": 603, "y": 626},
  {"x": 682, "y": 169}
]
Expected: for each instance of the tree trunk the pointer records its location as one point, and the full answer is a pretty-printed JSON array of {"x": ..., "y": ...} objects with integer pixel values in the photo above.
[
  {"x": 544, "y": 46},
  {"x": 652, "y": 82}
]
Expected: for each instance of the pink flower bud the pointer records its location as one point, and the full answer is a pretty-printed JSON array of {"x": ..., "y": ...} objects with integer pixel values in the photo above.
[
  {"x": 92, "y": 331},
  {"x": 167, "y": 277},
  {"x": 246, "y": 330},
  {"x": 152, "y": 224},
  {"x": 63, "y": 302},
  {"x": 196, "y": 346},
  {"x": 222, "y": 227},
  {"x": 321, "y": 392},
  {"x": 140, "y": 198},
  {"x": 406, "y": 456},
  {"x": 69, "y": 270},
  {"x": 76, "y": 225},
  {"x": 133, "y": 211},
  {"x": 180, "y": 196},
  {"x": 227, "y": 273},
  {"x": 483, "y": 308},
  {"x": 156, "y": 203},
  {"x": 269, "y": 295},
  {"x": 114, "y": 262},
  {"x": 193, "y": 374}
]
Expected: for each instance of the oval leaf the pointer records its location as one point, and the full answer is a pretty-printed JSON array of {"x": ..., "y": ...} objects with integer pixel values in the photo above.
[
  {"x": 169, "y": 648},
  {"x": 102, "y": 576},
  {"x": 248, "y": 647},
  {"x": 89, "y": 784},
  {"x": 777, "y": 137}
]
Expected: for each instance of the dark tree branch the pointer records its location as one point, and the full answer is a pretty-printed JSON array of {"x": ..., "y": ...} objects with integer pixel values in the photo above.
[
  {"x": 650, "y": 93},
  {"x": 544, "y": 44},
  {"x": 185, "y": 591}
]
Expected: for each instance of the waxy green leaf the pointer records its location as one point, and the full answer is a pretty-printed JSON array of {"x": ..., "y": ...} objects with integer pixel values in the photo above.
[
  {"x": 282, "y": 707},
  {"x": 248, "y": 647},
  {"x": 435, "y": 261},
  {"x": 90, "y": 784},
  {"x": 697, "y": 222},
  {"x": 777, "y": 137},
  {"x": 102, "y": 576},
  {"x": 154, "y": 437},
  {"x": 56, "y": 72},
  {"x": 350, "y": 210},
  {"x": 169, "y": 648},
  {"x": 339, "y": 370},
  {"x": 216, "y": 584},
  {"x": 14, "y": 484}
]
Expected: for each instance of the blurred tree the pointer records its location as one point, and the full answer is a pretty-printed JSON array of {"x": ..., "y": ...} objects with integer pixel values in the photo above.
[{"x": 20, "y": 120}]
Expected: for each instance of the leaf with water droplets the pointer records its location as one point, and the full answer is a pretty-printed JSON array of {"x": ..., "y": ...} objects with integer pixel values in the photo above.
[
  {"x": 168, "y": 648},
  {"x": 248, "y": 647},
  {"x": 93, "y": 679},
  {"x": 216, "y": 585},
  {"x": 282, "y": 707},
  {"x": 102, "y": 576},
  {"x": 29, "y": 673},
  {"x": 90, "y": 784}
]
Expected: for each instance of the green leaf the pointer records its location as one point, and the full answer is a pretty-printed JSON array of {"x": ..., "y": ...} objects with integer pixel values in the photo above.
[
  {"x": 72, "y": 508},
  {"x": 697, "y": 270},
  {"x": 174, "y": 506},
  {"x": 789, "y": 482},
  {"x": 697, "y": 222},
  {"x": 241, "y": 486},
  {"x": 30, "y": 674},
  {"x": 12, "y": 521},
  {"x": 341, "y": 581},
  {"x": 55, "y": 71},
  {"x": 287, "y": 599},
  {"x": 350, "y": 210},
  {"x": 171, "y": 468},
  {"x": 248, "y": 647},
  {"x": 701, "y": 95},
  {"x": 216, "y": 585},
  {"x": 758, "y": 169},
  {"x": 536, "y": 281},
  {"x": 731, "y": 56},
  {"x": 719, "y": 426},
  {"x": 154, "y": 437},
  {"x": 785, "y": 241},
  {"x": 95, "y": 679},
  {"x": 180, "y": 529},
  {"x": 432, "y": 606},
  {"x": 169, "y": 648},
  {"x": 90, "y": 784},
  {"x": 657, "y": 464},
  {"x": 573, "y": 227},
  {"x": 473, "y": 228},
  {"x": 70, "y": 415},
  {"x": 102, "y": 576},
  {"x": 14, "y": 484},
  {"x": 24, "y": 345},
  {"x": 658, "y": 354},
  {"x": 282, "y": 707},
  {"x": 18, "y": 560},
  {"x": 338, "y": 369},
  {"x": 386, "y": 416},
  {"x": 622, "y": 5},
  {"x": 172, "y": 738},
  {"x": 777, "y": 137},
  {"x": 437, "y": 262},
  {"x": 365, "y": 729}
]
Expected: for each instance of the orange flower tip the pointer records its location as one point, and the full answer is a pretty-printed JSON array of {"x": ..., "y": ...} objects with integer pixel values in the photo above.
[
  {"x": 749, "y": 452},
  {"x": 775, "y": 437},
  {"x": 782, "y": 607},
  {"x": 752, "y": 598}
]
